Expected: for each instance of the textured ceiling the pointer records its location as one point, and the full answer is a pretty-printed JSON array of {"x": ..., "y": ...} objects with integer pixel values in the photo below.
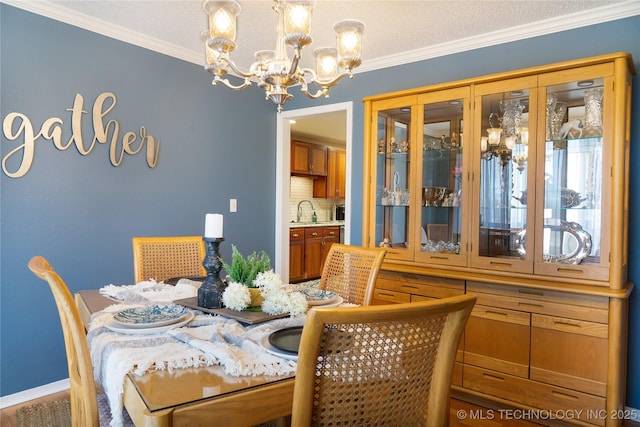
[
  {"x": 397, "y": 31},
  {"x": 392, "y": 27}
]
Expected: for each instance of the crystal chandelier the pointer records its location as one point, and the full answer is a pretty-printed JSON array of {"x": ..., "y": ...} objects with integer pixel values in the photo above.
[
  {"x": 274, "y": 70},
  {"x": 506, "y": 139}
]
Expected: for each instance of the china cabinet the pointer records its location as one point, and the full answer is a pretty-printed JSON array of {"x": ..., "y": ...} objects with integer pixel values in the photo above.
[{"x": 515, "y": 186}]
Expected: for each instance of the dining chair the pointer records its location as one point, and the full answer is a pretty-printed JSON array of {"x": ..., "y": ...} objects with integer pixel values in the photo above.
[
  {"x": 89, "y": 405},
  {"x": 382, "y": 365},
  {"x": 351, "y": 272},
  {"x": 161, "y": 258}
]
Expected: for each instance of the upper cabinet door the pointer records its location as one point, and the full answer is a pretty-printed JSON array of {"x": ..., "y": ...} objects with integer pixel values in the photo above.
[
  {"x": 393, "y": 135},
  {"x": 504, "y": 175},
  {"x": 442, "y": 177},
  {"x": 574, "y": 194}
]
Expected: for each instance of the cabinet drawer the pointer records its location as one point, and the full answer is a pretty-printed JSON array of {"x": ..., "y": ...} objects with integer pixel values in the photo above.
[
  {"x": 390, "y": 296},
  {"x": 312, "y": 232},
  {"x": 427, "y": 286},
  {"x": 456, "y": 377},
  {"x": 534, "y": 394},
  {"x": 569, "y": 353},
  {"x": 498, "y": 339},
  {"x": 590, "y": 301},
  {"x": 331, "y": 231},
  {"x": 545, "y": 307},
  {"x": 296, "y": 234}
]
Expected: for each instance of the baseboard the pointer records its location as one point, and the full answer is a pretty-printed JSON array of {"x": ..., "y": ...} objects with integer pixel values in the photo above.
[{"x": 33, "y": 393}]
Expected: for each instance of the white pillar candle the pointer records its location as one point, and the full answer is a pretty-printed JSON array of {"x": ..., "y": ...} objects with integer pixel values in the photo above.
[{"x": 213, "y": 226}]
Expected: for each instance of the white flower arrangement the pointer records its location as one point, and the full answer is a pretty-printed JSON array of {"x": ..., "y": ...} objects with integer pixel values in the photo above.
[
  {"x": 236, "y": 297},
  {"x": 276, "y": 298}
]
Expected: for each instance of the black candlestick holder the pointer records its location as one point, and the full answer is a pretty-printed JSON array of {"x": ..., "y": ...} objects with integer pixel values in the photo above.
[{"x": 210, "y": 292}]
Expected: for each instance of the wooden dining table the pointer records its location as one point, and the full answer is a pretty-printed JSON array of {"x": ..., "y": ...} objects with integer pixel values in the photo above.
[{"x": 203, "y": 396}]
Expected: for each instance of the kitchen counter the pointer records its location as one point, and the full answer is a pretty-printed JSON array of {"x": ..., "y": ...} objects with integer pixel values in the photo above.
[{"x": 316, "y": 224}]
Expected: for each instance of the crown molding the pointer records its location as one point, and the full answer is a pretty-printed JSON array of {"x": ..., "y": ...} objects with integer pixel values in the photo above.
[
  {"x": 553, "y": 25},
  {"x": 521, "y": 32},
  {"x": 87, "y": 22}
]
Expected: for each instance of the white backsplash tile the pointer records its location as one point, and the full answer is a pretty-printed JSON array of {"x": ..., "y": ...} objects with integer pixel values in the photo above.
[{"x": 301, "y": 188}]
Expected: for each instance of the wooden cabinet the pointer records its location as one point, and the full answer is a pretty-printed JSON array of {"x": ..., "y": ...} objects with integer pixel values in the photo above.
[
  {"x": 313, "y": 246},
  {"x": 308, "y": 159},
  {"x": 334, "y": 185},
  {"x": 392, "y": 287},
  {"x": 330, "y": 235},
  {"x": 308, "y": 249},
  {"x": 555, "y": 340},
  {"x": 296, "y": 254},
  {"x": 516, "y": 185}
]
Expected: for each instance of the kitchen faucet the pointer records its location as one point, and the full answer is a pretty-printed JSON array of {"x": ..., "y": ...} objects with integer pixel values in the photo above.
[{"x": 299, "y": 213}]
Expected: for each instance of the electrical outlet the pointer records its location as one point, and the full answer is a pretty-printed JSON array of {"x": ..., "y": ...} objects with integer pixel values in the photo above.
[{"x": 233, "y": 205}]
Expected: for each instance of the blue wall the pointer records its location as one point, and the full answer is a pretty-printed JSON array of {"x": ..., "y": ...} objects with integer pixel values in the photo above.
[{"x": 81, "y": 212}]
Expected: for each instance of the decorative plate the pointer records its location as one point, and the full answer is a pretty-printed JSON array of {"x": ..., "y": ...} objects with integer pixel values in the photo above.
[
  {"x": 264, "y": 343},
  {"x": 112, "y": 325},
  {"x": 150, "y": 316},
  {"x": 319, "y": 296},
  {"x": 287, "y": 339}
]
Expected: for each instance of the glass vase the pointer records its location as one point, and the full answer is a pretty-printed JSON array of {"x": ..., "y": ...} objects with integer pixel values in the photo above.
[
  {"x": 552, "y": 99},
  {"x": 557, "y": 119},
  {"x": 592, "y": 112}
]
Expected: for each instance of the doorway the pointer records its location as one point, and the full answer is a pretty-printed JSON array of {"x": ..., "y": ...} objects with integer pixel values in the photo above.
[{"x": 283, "y": 172}]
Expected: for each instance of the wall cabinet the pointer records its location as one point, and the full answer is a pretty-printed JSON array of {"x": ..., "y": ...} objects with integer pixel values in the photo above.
[
  {"x": 515, "y": 184},
  {"x": 308, "y": 249},
  {"x": 334, "y": 185},
  {"x": 308, "y": 159}
]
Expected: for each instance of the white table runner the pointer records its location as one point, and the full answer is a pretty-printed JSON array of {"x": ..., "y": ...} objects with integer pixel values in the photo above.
[{"x": 206, "y": 340}]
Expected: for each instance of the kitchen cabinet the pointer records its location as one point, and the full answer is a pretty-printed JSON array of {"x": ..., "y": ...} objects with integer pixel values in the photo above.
[
  {"x": 330, "y": 235},
  {"x": 308, "y": 249},
  {"x": 515, "y": 184},
  {"x": 296, "y": 254},
  {"x": 334, "y": 185},
  {"x": 308, "y": 159},
  {"x": 313, "y": 243}
]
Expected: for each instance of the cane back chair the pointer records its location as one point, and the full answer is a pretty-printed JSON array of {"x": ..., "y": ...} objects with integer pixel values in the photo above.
[
  {"x": 351, "y": 272},
  {"x": 89, "y": 406},
  {"x": 161, "y": 258},
  {"x": 382, "y": 365}
]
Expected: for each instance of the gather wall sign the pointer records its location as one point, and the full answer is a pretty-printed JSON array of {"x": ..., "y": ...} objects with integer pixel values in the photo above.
[{"x": 18, "y": 127}]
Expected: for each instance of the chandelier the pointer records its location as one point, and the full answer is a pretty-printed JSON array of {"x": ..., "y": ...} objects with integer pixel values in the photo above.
[
  {"x": 506, "y": 139},
  {"x": 274, "y": 70}
]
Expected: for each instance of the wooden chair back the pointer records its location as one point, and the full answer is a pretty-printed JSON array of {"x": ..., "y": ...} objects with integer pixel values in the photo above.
[
  {"x": 84, "y": 403},
  {"x": 384, "y": 365},
  {"x": 163, "y": 258},
  {"x": 351, "y": 272}
]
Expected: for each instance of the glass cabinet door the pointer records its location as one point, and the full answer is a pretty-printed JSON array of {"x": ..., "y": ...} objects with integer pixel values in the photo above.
[
  {"x": 393, "y": 136},
  {"x": 504, "y": 178},
  {"x": 572, "y": 214},
  {"x": 443, "y": 171}
]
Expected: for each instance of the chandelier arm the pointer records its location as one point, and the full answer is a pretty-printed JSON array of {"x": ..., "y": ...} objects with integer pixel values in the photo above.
[
  {"x": 321, "y": 92},
  {"x": 236, "y": 70},
  {"x": 325, "y": 84},
  {"x": 227, "y": 83}
]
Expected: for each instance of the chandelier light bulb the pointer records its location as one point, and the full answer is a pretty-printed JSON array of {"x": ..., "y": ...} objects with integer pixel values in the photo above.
[
  {"x": 326, "y": 63},
  {"x": 298, "y": 17},
  {"x": 222, "y": 18}
]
